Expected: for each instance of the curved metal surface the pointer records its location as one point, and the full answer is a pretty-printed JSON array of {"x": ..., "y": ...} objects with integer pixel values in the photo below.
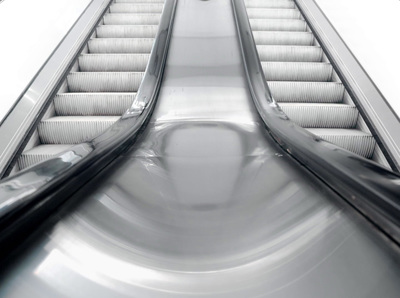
[
  {"x": 380, "y": 117},
  {"x": 206, "y": 203},
  {"x": 33, "y": 193},
  {"x": 28, "y": 108},
  {"x": 371, "y": 188}
]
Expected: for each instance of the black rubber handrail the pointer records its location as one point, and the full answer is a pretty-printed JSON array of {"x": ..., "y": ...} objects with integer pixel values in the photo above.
[
  {"x": 370, "y": 188},
  {"x": 32, "y": 194}
]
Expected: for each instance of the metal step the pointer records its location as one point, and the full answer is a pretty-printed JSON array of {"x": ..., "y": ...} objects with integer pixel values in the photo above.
[
  {"x": 40, "y": 153},
  {"x": 274, "y": 13},
  {"x": 120, "y": 45},
  {"x": 131, "y": 19},
  {"x": 307, "y": 92},
  {"x": 353, "y": 140},
  {"x": 297, "y": 71},
  {"x": 139, "y": 1},
  {"x": 283, "y": 38},
  {"x": 278, "y": 25},
  {"x": 136, "y": 8},
  {"x": 269, "y": 3},
  {"x": 73, "y": 129},
  {"x": 126, "y": 31},
  {"x": 290, "y": 53},
  {"x": 321, "y": 115},
  {"x": 104, "y": 81},
  {"x": 92, "y": 104},
  {"x": 113, "y": 62}
]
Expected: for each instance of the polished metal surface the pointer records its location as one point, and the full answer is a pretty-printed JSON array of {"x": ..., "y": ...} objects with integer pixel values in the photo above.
[
  {"x": 205, "y": 203},
  {"x": 380, "y": 117}
]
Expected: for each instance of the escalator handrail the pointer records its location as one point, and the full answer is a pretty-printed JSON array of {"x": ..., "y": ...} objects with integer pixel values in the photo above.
[
  {"x": 372, "y": 189},
  {"x": 32, "y": 194}
]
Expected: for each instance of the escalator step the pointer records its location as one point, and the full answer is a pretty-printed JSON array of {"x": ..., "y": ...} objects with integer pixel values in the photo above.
[
  {"x": 113, "y": 62},
  {"x": 104, "y": 81},
  {"x": 283, "y": 38},
  {"x": 92, "y": 104},
  {"x": 353, "y": 140},
  {"x": 290, "y": 53},
  {"x": 136, "y": 8},
  {"x": 274, "y": 13},
  {"x": 40, "y": 153},
  {"x": 73, "y": 129},
  {"x": 121, "y": 45},
  {"x": 297, "y": 71},
  {"x": 269, "y": 3},
  {"x": 278, "y": 25},
  {"x": 139, "y": 1},
  {"x": 314, "y": 115},
  {"x": 317, "y": 92},
  {"x": 126, "y": 31},
  {"x": 131, "y": 19}
]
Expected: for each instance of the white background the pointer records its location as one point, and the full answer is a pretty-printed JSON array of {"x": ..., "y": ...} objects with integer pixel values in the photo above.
[{"x": 30, "y": 30}]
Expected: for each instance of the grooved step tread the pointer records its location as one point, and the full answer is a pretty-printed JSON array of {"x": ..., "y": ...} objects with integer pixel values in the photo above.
[
  {"x": 290, "y": 53},
  {"x": 307, "y": 92},
  {"x": 40, "y": 153},
  {"x": 273, "y": 13},
  {"x": 139, "y": 1},
  {"x": 283, "y": 38},
  {"x": 92, "y": 104},
  {"x": 353, "y": 140},
  {"x": 297, "y": 71},
  {"x": 136, "y": 8},
  {"x": 131, "y": 19},
  {"x": 113, "y": 62},
  {"x": 120, "y": 45},
  {"x": 269, "y": 4},
  {"x": 317, "y": 115},
  {"x": 104, "y": 81},
  {"x": 126, "y": 31},
  {"x": 73, "y": 129},
  {"x": 278, "y": 25}
]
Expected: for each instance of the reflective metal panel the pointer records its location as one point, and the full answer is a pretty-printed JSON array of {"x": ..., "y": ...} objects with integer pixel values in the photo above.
[{"x": 205, "y": 203}]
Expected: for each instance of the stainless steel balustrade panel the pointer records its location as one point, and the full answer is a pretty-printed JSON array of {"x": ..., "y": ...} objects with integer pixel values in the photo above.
[{"x": 206, "y": 204}]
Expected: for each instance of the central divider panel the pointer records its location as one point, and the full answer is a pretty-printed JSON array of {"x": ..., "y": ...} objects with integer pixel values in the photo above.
[{"x": 204, "y": 76}]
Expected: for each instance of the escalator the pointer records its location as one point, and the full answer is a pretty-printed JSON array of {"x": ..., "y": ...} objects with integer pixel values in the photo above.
[
  {"x": 103, "y": 82},
  {"x": 301, "y": 78},
  {"x": 106, "y": 76},
  {"x": 209, "y": 199}
]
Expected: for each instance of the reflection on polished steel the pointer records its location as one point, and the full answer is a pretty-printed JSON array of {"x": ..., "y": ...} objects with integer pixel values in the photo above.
[{"x": 205, "y": 204}]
